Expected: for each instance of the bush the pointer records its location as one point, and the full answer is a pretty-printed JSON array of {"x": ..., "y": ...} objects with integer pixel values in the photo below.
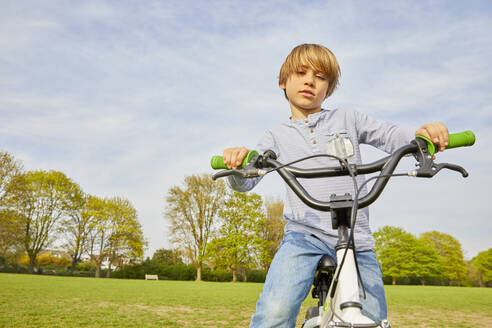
[
  {"x": 85, "y": 266},
  {"x": 256, "y": 276},
  {"x": 216, "y": 275},
  {"x": 180, "y": 272},
  {"x": 164, "y": 271},
  {"x": 11, "y": 267},
  {"x": 129, "y": 272}
]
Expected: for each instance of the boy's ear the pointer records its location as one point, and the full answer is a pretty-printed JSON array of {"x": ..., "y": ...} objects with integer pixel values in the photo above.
[{"x": 282, "y": 86}]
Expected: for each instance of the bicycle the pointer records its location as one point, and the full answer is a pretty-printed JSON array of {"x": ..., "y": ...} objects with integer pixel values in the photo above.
[{"x": 336, "y": 285}]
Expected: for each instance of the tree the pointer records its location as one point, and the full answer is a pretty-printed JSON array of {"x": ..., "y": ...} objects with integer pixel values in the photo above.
[
  {"x": 96, "y": 210},
  {"x": 9, "y": 169},
  {"x": 11, "y": 233},
  {"x": 483, "y": 266},
  {"x": 10, "y": 221},
  {"x": 167, "y": 256},
  {"x": 40, "y": 198},
  {"x": 192, "y": 211},
  {"x": 450, "y": 254},
  {"x": 273, "y": 229},
  {"x": 116, "y": 235},
  {"x": 239, "y": 244},
  {"x": 75, "y": 226},
  {"x": 428, "y": 263},
  {"x": 126, "y": 241},
  {"x": 402, "y": 255},
  {"x": 395, "y": 249}
]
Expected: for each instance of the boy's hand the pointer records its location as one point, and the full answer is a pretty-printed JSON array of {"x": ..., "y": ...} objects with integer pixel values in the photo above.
[
  {"x": 233, "y": 157},
  {"x": 436, "y": 132}
]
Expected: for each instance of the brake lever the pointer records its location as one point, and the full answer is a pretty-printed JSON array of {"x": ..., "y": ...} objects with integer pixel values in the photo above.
[
  {"x": 430, "y": 171},
  {"x": 427, "y": 167},
  {"x": 456, "y": 168},
  {"x": 244, "y": 173},
  {"x": 225, "y": 173}
]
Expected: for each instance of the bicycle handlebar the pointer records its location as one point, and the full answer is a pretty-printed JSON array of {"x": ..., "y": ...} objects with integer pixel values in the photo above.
[
  {"x": 420, "y": 147},
  {"x": 386, "y": 166}
]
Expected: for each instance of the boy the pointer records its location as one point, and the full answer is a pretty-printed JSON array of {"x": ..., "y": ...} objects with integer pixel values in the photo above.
[{"x": 308, "y": 76}]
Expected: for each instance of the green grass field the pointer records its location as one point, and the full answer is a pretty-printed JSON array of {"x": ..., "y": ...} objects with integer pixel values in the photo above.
[{"x": 45, "y": 301}]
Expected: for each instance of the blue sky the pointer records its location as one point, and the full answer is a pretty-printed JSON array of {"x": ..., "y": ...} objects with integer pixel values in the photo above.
[{"x": 129, "y": 97}]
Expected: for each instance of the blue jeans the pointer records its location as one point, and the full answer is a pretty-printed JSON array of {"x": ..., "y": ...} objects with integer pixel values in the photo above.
[{"x": 290, "y": 278}]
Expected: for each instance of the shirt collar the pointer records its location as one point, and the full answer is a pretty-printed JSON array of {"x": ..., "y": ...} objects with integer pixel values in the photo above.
[{"x": 311, "y": 120}]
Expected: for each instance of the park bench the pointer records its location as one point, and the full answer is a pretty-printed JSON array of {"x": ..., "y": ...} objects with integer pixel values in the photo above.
[{"x": 151, "y": 277}]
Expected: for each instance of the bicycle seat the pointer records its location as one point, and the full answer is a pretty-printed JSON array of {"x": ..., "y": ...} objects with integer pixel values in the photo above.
[
  {"x": 322, "y": 278},
  {"x": 326, "y": 263}
]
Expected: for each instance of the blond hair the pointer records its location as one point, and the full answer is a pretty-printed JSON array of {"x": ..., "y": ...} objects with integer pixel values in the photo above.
[{"x": 316, "y": 57}]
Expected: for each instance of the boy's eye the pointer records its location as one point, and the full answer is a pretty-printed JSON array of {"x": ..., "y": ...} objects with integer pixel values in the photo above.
[
  {"x": 301, "y": 72},
  {"x": 321, "y": 77}
]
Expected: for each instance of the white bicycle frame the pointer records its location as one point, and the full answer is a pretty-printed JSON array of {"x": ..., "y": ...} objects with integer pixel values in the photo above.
[{"x": 347, "y": 292}]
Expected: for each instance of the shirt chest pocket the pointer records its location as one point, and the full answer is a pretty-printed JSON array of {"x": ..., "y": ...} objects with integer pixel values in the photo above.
[{"x": 338, "y": 143}]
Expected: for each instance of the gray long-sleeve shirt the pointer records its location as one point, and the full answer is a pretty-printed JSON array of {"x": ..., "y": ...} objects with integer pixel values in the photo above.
[{"x": 336, "y": 132}]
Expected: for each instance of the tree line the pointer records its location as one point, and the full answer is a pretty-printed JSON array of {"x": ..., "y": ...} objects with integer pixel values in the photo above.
[
  {"x": 217, "y": 234},
  {"x": 432, "y": 258},
  {"x": 43, "y": 209}
]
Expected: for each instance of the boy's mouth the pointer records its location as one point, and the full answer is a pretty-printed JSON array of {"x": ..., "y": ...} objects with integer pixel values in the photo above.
[{"x": 307, "y": 92}]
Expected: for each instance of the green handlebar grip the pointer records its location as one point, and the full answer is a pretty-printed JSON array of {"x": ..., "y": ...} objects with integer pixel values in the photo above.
[
  {"x": 460, "y": 139},
  {"x": 217, "y": 162}
]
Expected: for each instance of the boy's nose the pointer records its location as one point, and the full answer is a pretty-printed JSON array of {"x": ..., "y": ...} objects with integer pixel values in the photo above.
[
  {"x": 309, "y": 82},
  {"x": 309, "y": 79}
]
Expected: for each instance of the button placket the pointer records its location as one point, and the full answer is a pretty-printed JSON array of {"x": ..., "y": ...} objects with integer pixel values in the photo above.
[{"x": 312, "y": 137}]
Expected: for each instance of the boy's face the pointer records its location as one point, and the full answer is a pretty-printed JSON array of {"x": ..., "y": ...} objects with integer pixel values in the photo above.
[{"x": 306, "y": 89}]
